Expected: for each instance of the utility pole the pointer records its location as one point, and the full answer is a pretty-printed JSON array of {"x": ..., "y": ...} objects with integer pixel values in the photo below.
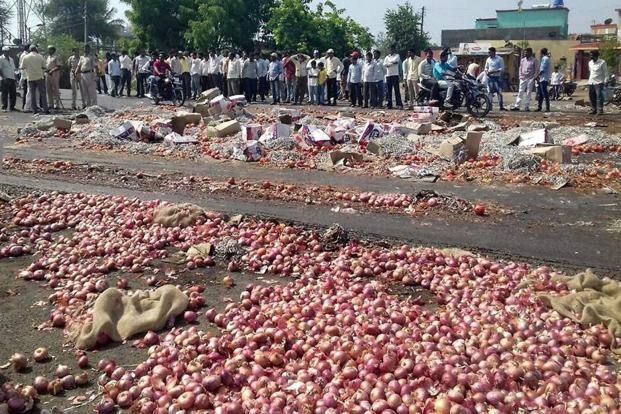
[
  {"x": 422, "y": 21},
  {"x": 85, "y": 28}
]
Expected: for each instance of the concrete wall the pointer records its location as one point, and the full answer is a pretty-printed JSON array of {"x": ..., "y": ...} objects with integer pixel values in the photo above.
[
  {"x": 531, "y": 18},
  {"x": 452, "y": 38},
  {"x": 486, "y": 24}
]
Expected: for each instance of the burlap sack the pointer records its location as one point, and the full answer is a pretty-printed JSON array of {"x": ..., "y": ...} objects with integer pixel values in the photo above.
[
  {"x": 594, "y": 302},
  {"x": 179, "y": 215},
  {"x": 121, "y": 316}
]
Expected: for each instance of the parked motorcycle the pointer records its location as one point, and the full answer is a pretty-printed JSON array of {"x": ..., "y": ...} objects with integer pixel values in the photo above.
[
  {"x": 468, "y": 93},
  {"x": 168, "y": 89}
]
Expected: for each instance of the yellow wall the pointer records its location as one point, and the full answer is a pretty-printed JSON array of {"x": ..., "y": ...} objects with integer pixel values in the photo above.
[{"x": 557, "y": 48}]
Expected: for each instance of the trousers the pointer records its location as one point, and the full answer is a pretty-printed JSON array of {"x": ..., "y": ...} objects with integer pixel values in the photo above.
[
  {"x": 9, "y": 94},
  {"x": 37, "y": 88},
  {"x": 52, "y": 88},
  {"x": 524, "y": 93},
  {"x": 88, "y": 86}
]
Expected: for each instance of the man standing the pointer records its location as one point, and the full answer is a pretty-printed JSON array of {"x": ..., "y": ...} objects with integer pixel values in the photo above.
[
  {"x": 186, "y": 77},
  {"x": 263, "y": 66},
  {"x": 215, "y": 69},
  {"x": 598, "y": 77},
  {"x": 52, "y": 78},
  {"x": 380, "y": 75},
  {"x": 195, "y": 74},
  {"x": 7, "y": 83},
  {"x": 333, "y": 68},
  {"x": 289, "y": 72},
  {"x": 425, "y": 74},
  {"x": 74, "y": 77},
  {"x": 23, "y": 81},
  {"x": 102, "y": 70},
  {"x": 34, "y": 66},
  {"x": 368, "y": 78},
  {"x": 528, "y": 74},
  {"x": 411, "y": 76},
  {"x": 87, "y": 67},
  {"x": 233, "y": 74},
  {"x": 274, "y": 72},
  {"x": 442, "y": 71},
  {"x": 301, "y": 74},
  {"x": 316, "y": 58},
  {"x": 392, "y": 62},
  {"x": 345, "y": 73},
  {"x": 494, "y": 68},
  {"x": 545, "y": 74},
  {"x": 114, "y": 69},
  {"x": 141, "y": 63},
  {"x": 250, "y": 77},
  {"x": 126, "y": 73},
  {"x": 354, "y": 79}
]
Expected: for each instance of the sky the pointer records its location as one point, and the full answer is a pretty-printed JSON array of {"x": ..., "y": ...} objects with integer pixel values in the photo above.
[{"x": 462, "y": 13}]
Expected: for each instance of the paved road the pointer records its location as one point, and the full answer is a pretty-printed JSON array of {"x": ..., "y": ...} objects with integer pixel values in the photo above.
[{"x": 563, "y": 228}]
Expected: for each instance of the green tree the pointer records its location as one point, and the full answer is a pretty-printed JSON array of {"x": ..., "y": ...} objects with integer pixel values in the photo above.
[
  {"x": 403, "y": 29},
  {"x": 65, "y": 17},
  {"x": 160, "y": 24},
  {"x": 222, "y": 23},
  {"x": 5, "y": 14},
  {"x": 295, "y": 27},
  {"x": 611, "y": 54}
]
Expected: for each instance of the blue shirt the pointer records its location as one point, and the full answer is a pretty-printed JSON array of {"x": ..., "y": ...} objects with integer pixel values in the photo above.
[
  {"x": 275, "y": 70},
  {"x": 114, "y": 68},
  {"x": 494, "y": 66},
  {"x": 440, "y": 69},
  {"x": 355, "y": 73},
  {"x": 545, "y": 69}
]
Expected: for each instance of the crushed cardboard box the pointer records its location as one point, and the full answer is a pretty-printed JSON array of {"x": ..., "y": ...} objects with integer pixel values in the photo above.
[
  {"x": 530, "y": 139},
  {"x": 181, "y": 119},
  {"x": 252, "y": 132},
  {"x": 61, "y": 123},
  {"x": 228, "y": 128},
  {"x": 579, "y": 140},
  {"x": 81, "y": 119},
  {"x": 175, "y": 138},
  {"x": 345, "y": 157},
  {"x": 458, "y": 149},
  {"x": 202, "y": 109},
  {"x": 555, "y": 153},
  {"x": 127, "y": 131},
  {"x": 208, "y": 95}
]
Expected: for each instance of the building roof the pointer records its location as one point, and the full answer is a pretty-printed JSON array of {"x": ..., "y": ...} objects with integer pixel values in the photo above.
[
  {"x": 488, "y": 18},
  {"x": 533, "y": 9},
  {"x": 590, "y": 46}
]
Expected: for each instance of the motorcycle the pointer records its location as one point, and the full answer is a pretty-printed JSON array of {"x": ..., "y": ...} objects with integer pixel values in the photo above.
[
  {"x": 168, "y": 89},
  {"x": 468, "y": 92}
]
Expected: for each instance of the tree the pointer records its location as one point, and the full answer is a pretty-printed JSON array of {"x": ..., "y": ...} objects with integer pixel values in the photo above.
[
  {"x": 403, "y": 29},
  {"x": 610, "y": 52},
  {"x": 5, "y": 14},
  {"x": 66, "y": 18},
  {"x": 161, "y": 24},
  {"x": 295, "y": 27}
]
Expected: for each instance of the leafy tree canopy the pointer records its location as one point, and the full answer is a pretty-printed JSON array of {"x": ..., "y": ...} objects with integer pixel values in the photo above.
[
  {"x": 403, "y": 29},
  {"x": 66, "y": 18}
]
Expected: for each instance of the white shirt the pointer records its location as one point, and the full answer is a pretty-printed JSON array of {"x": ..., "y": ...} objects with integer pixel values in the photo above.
[
  {"x": 195, "y": 66},
  {"x": 598, "y": 72},
  {"x": 262, "y": 67},
  {"x": 452, "y": 61},
  {"x": 214, "y": 65},
  {"x": 380, "y": 70},
  {"x": 175, "y": 65},
  {"x": 313, "y": 77},
  {"x": 126, "y": 62},
  {"x": 234, "y": 71},
  {"x": 205, "y": 67},
  {"x": 392, "y": 64},
  {"x": 368, "y": 71},
  {"x": 140, "y": 62},
  {"x": 556, "y": 78},
  {"x": 494, "y": 66},
  {"x": 7, "y": 67}
]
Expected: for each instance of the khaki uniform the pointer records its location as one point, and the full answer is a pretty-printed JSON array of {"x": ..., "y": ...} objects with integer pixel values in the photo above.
[
  {"x": 74, "y": 77},
  {"x": 52, "y": 81},
  {"x": 87, "y": 66}
]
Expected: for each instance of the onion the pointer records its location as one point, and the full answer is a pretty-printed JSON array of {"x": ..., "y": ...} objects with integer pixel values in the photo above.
[
  {"x": 83, "y": 362},
  {"x": 40, "y": 384},
  {"x": 62, "y": 371},
  {"x": 19, "y": 362},
  {"x": 41, "y": 355}
]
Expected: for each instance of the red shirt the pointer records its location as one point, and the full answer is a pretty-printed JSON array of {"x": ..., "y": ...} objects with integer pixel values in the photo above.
[
  {"x": 160, "y": 67},
  {"x": 289, "y": 68}
]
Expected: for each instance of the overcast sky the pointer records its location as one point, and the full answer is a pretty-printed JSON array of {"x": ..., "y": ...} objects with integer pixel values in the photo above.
[{"x": 462, "y": 13}]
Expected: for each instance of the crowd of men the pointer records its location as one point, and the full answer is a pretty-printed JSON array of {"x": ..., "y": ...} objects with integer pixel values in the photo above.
[{"x": 367, "y": 81}]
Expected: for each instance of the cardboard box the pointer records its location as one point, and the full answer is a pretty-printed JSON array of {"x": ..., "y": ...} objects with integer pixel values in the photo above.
[
  {"x": 208, "y": 95},
  {"x": 81, "y": 119},
  {"x": 253, "y": 151},
  {"x": 238, "y": 99},
  {"x": 371, "y": 131},
  {"x": 180, "y": 120},
  {"x": 458, "y": 149},
  {"x": 174, "y": 138},
  {"x": 251, "y": 132},
  {"x": 343, "y": 157},
  {"x": 320, "y": 138},
  {"x": 530, "y": 139},
  {"x": 61, "y": 123},
  {"x": 223, "y": 102},
  {"x": 579, "y": 140},
  {"x": 202, "y": 109},
  {"x": 228, "y": 128},
  {"x": 419, "y": 128},
  {"x": 126, "y": 131},
  {"x": 373, "y": 148},
  {"x": 555, "y": 153}
]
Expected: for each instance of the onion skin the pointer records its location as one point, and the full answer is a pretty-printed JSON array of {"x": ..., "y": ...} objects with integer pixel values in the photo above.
[{"x": 19, "y": 362}]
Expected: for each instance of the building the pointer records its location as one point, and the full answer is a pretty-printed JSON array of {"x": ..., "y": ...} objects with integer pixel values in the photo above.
[
  {"x": 600, "y": 35},
  {"x": 536, "y": 23}
]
